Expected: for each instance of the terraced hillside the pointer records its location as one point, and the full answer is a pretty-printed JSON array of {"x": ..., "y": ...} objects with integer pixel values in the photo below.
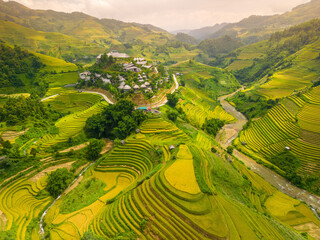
[
  {"x": 145, "y": 190},
  {"x": 202, "y": 86},
  {"x": 146, "y": 196},
  {"x": 70, "y": 125},
  {"x": 294, "y": 124},
  {"x": 282, "y": 65},
  {"x": 198, "y": 107}
]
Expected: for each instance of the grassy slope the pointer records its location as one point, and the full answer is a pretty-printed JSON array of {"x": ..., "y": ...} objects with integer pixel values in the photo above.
[{"x": 55, "y": 64}]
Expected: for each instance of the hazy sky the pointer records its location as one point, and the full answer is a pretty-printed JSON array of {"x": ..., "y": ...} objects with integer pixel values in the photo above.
[{"x": 169, "y": 14}]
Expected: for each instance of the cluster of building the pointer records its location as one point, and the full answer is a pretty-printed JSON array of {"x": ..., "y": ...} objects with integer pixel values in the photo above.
[{"x": 140, "y": 84}]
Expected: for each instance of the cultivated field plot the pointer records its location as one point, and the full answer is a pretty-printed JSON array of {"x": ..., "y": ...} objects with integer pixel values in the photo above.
[
  {"x": 19, "y": 206},
  {"x": 156, "y": 196},
  {"x": 296, "y": 124},
  {"x": 70, "y": 125},
  {"x": 240, "y": 64},
  {"x": 62, "y": 79},
  {"x": 285, "y": 82},
  {"x": 72, "y": 101},
  {"x": 198, "y": 107}
]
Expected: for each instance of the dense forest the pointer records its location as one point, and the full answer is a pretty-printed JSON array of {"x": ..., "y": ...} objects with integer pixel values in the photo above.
[
  {"x": 16, "y": 110},
  {"x": 14, "y": 61}
]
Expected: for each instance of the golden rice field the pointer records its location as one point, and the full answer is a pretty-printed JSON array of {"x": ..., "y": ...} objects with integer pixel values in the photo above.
[
  {"x": 294, "y": 124},
  {"x": 167, "y": 204}
]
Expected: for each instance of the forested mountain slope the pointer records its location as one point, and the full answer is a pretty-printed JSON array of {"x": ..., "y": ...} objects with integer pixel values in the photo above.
[{"x": 256, "y": 28}]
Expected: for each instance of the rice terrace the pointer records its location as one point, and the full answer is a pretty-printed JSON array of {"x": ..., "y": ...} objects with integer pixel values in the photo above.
[{"x": 122, "y": 130}]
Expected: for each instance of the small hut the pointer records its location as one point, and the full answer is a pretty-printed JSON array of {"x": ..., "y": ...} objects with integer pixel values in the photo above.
[{"x": 171, "y": 147}]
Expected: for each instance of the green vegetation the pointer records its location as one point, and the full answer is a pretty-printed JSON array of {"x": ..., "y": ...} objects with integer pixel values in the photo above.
[
  {"x": 15, "y": 61},
  {"x": 93, "y": 149},
  {"x": 173, "y": 99},
  {"x": 115, "y": 121},
  {"x": 164, "y": 176},
  {"x": 212, "y": 126},
  {"x": 216, "y": 47},
  {"x": 292, "y": 125},
  {"x": 58, "y": 181},
  {"x": 20, "y": 110},
  {"x": 86, "y": 193},
  {"x": 252, "y": 106},
  {"x": 172, "y": 115},
  {"x": 289, "y": 163}
]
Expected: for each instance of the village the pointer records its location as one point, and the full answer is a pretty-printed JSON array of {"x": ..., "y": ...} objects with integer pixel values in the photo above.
[{"x": 136, "y": 76}]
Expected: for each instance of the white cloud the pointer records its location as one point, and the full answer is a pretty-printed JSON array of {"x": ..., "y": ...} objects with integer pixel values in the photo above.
[{"x": 169, "y": 14}]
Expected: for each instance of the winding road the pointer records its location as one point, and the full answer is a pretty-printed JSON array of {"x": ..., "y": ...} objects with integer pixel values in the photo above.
[{"x": 230, "y": 131}]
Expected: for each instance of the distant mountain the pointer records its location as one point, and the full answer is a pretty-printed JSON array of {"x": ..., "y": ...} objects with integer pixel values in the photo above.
[
  {"x": 183, "y": 37},
  {"x": 73, "y": 35},
  {"x": 80, "y": 25},
  {"x": 256, "y": 28},
  {"x": 204, "y": 32},
  {"x": 186, "y": 31}
]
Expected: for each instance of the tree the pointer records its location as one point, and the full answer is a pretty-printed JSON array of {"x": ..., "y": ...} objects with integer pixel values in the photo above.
[
  {"x": 58, "y": 181},
  {"x": 33, "y": 152},
  {"x": 173, "y": 99},
  {"x": 212, "y": 126},
  {"x": 172, "y": 115},
  {"x": 230, "y": 150},
  {"x": 93, "y": 149}
]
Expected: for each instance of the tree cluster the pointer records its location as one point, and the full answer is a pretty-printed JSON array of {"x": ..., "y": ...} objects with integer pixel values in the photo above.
[
  {"x": 173, "y": 99},
  {"x": 19, "y": 109},
  {"x": 252, "y": 106},
  {"x": 223, "y": 45},
  {"x": 289, "y": 163},
  {"x": 93, "y": 149},
  {"x": 116, "y": 121},
  {"x": 212, "y": 126},
  {"x": 58, "y": 181}
]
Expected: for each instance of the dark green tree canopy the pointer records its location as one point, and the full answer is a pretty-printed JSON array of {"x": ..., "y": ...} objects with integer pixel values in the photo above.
[
  {"x": 173, "y": 99},
  {"x": 212, "y": 126},
  {"x": 93, "y": 149},
  {"x": 116, "y": 121},
  {"x": 15, "y": 61},
  {"x": 58, "y": 181}
]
